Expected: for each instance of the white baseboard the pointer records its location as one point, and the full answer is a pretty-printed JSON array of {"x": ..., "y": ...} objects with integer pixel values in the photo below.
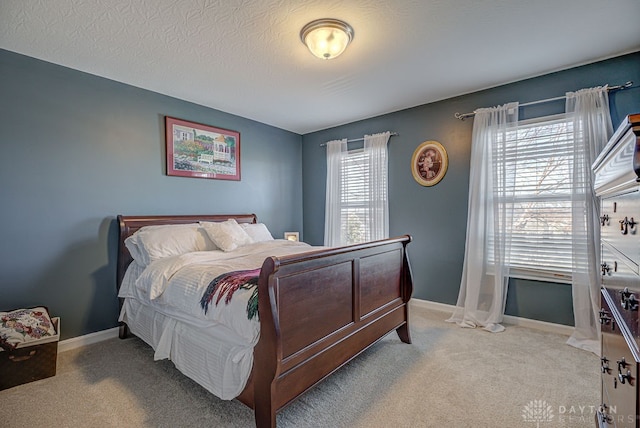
[
  {"x": 87, "y": 339},
  {"x": 508, "y": 319}
]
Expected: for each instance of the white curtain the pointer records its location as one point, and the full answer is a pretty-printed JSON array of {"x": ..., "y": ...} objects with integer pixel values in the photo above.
[
  {"x": 592, "y": 128},
  {"x": 375, "y": 147},
  {"x": 485, "y": 273},
  {"x": 332, "y": 218}
]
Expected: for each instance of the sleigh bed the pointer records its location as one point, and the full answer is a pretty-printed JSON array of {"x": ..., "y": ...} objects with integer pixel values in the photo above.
[{"x": 317, "y": 310}]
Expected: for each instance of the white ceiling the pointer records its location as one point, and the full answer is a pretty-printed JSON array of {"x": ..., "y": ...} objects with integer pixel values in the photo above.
[{"x": 245, "y": 56}]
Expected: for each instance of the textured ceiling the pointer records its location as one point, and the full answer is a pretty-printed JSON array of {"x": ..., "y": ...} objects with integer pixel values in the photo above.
[{"x": 245, "y": 56}]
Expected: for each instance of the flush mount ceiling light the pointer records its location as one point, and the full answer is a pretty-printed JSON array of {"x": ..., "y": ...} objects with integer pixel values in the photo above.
[{"x": 326, "y": 38}]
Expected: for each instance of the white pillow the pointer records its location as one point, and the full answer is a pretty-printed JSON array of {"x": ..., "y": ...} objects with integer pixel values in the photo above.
[
  {"x": 257, "y": 231},
  {"x": 227, "y": 235},
  {"x": 152, "y": 243},
  {"x": 136, "y": 253}
]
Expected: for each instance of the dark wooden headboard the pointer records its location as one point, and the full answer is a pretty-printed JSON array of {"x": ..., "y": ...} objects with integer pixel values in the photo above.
[{"x": 128, "y": 225}]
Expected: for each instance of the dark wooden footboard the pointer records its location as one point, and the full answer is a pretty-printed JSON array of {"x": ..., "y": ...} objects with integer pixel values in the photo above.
[{"x": 319, "y": 310}]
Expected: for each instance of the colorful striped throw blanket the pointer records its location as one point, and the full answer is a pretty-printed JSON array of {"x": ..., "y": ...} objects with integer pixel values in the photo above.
[{"x": 227, "y": 284}]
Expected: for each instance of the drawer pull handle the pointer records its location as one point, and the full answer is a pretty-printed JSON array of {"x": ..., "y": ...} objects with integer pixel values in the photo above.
[
  {"x": 604, "y": 319},
  {"x": 625, "y": 378},
  {"x": 622, "y": 364},
  {"x": 604, "y": 219},
  {"x": 603, "y": 416},
  {"x": 628, "y": 300},
  {"x": 626, "y": 224},
  {"x": 15, "y": 359}
]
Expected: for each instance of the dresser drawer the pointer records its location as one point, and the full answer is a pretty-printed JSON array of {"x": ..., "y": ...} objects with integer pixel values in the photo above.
[
  {"x": 619, "y": 227},
  {"x": 619, "y": 369},
  {"x": 616, "y": 266},
  {"x": 626, "y": 303},
  {"x": 616, "y": 167}
]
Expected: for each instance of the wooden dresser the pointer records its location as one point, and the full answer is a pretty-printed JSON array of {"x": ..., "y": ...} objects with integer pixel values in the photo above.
[{"x": 617, "y": 183}]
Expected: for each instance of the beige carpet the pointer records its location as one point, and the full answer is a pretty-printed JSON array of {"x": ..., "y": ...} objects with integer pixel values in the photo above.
[{"x": 449, "y": 377}]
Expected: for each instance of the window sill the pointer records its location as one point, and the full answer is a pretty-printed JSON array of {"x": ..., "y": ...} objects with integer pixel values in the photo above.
[{"x": 537, "y": 275}]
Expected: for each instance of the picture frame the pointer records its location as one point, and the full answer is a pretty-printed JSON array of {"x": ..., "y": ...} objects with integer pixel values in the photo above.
[
  {"x": 202, "y": 151},
  {"x": 292, "y": 236},
  {"x": 429, "y": 163}
]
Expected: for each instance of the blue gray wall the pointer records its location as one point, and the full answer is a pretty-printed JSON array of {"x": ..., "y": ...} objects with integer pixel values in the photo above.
[
  {"x": 436, "y": 216},
  {"x": 77, "y": 150}
]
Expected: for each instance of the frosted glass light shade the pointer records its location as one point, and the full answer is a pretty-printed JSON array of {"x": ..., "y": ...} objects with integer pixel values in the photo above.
[{"x": 326, "y": 38}]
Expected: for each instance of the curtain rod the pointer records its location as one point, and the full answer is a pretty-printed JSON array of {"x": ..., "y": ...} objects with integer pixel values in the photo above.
[
  {"x": 393, "y": 134},
  {"x": 609, "y": 89}
]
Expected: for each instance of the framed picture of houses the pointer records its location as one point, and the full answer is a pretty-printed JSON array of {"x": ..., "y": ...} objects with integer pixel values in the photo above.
[{"x": 203, "y": 151}]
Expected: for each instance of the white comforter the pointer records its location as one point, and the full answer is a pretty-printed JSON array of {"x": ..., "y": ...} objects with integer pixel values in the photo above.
[{"x": 175, "y": 285}]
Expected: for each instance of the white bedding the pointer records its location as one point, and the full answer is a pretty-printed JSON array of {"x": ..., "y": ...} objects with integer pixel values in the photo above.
[
  {"x": 220, "y": 366},
  {"x": 176, "y": 284},
  {"x": 170, "y": 290}
]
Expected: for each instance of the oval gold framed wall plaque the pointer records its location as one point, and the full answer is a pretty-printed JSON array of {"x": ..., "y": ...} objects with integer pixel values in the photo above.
[{"x": 429, "y": 163}]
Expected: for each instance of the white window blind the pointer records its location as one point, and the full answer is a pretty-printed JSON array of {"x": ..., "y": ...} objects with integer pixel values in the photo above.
[
  {"x": 354, "y": 197},
  {"x": 540, "y": 152}
]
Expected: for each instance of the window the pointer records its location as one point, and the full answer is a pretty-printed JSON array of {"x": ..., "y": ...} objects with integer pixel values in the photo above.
[
  {"x": 355, "y": 197},
  {"x": 357, "y": 208},
  {"x": 541, "y": 152}
]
